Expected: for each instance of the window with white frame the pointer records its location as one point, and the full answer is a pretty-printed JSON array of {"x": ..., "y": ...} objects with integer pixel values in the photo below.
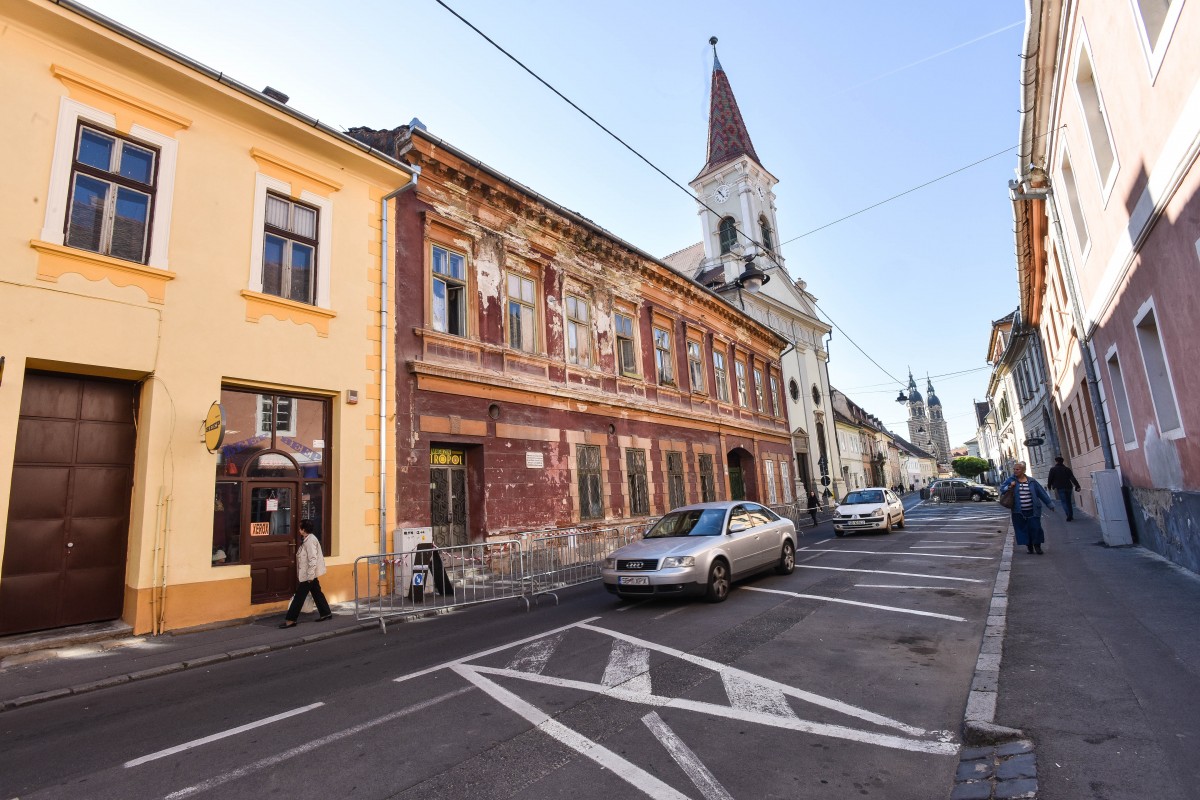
[
  {"x": 579, "y": 331},
  {"x": 289, "y": 268},
  {"x": 449, "y": 287},
  {"x": 727, "y": 231},
  {"x": 1121, "y": 398},
  {"x": 785, "y": 481},
  {"x": 1095, "y": 117},
  {"x": 1076, "y": 210},
  {"x": 1158, "y": 372},
  {"x": 739, "y": 370},
  {"x": 1156, "y": 21},
  {"x": 664, "y": 360},
  {"x": 772, "y": 497},
  {"x": 758, "y": 392},
  {"x": 276, "y": 413},
  {"x": 768, "y": 237},
  {"x": 522, "y": 313},
  {"x": 695, "y": 356},
  {"x": 721, "y": 375},
  {"x": 626, "y": 345},
  {"x": 775, "y": 396},
  {"x": 111, "y": 194}
]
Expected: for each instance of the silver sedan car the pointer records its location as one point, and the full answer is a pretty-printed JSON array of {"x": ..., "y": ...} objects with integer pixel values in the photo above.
[{"x": 700, "y": 550}]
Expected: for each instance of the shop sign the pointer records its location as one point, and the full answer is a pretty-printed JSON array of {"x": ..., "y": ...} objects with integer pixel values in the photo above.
[
  {"x": 445, "y": 457},
  {"x": 260, "y": 529},
  {"x": 214, "y": 427}
]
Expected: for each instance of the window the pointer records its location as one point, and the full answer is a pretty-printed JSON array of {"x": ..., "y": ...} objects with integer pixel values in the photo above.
[
  {"x": 663, "y": 359},
  {"x": 579, "y": 331},
  {"x": 740, "y": 372},
  {"x": 626, "y": 347},
  {"x": 767, "y": 237},
  {"x": 1095, "y": 117},
  {"x": 794, "y": 390},
  {"x": 591, "y": 501},
  {"x": 675, "y": 490},
  {"x": 1158, "y": 373},
  {"x": 1128, "y": 434},
  {"x": 289, "y": 250},
  {"x": 708, "y": 492},
  {"x": 721, "y": 376},
  {"x": 775, "y": 396},
  {"x": 1156, "y": 20},
  {"x": 695, "y": 366},
  {"x": 1074, "y": 431},
  {"x": 728, "y": 234},
  {"x": 1085, "y": 398},
  {"x": 760, "y": 406},
  {"x": 522, "y": 316},
  {"x": 772, "y": 497},
  {"x": 1072, "y": 191},
  {"x": 639, "y": 497},
  {"x": 449, "y": 292},
  {"x": 785, "y": 481},
  {"x": 112, "y": 191},
  {"x": 281, "y": 409}
]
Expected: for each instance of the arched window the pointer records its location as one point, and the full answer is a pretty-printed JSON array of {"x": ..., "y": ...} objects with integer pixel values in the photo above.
[
  {"x": 728, "y": 232},
  {"x": 767, "y": 237}
]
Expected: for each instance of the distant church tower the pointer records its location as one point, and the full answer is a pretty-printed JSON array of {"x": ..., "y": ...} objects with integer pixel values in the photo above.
[
  {"x": 920, "y": 430},
  {"x": 937, "y": 425}
]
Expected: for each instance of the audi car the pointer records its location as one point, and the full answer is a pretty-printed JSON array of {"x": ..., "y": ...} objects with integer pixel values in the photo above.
[
  {"x": 701, "y": 550},
  {"x": 872, "y": 509}
]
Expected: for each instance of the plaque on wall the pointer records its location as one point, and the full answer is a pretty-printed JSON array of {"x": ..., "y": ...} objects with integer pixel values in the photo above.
[{"x": 534, "y": 460}]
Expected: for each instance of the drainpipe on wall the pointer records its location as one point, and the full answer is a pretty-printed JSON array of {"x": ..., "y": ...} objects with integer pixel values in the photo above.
[{"x": 385, "y": 303}]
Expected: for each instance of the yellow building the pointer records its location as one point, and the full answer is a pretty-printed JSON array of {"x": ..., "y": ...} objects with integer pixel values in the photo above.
[{"x": 173, "y": 239}]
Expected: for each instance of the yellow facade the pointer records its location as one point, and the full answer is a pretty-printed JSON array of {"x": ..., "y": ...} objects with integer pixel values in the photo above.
[{"x": 195, "y": 315}]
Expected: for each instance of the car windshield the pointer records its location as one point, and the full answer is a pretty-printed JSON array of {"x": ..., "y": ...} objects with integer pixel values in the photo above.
[
  {"x": 863, "y": 497},
  {"x": 694, "y": 522}
]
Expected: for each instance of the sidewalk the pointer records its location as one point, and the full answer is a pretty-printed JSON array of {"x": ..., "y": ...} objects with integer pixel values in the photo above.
[{"x": 1100, "y": 673}]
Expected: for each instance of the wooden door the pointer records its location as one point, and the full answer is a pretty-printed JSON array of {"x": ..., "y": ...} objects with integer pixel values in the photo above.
[{"x": 269, "y": 539}]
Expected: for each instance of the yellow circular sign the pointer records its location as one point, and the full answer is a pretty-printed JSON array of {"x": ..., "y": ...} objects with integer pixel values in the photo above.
[{"x": 214, "y": 427}]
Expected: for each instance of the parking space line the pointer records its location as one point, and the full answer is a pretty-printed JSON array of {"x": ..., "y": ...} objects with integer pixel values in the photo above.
[
  {"x": 893, "y": 586},
  {"x": 179, "y": 748},
  {"x": 691, "y": 765},
  {"x": 938, "y": 546},
  {"x": 950, "y": 617},
  {"x": 899, "y": 553},
  {"x": 888, "y": 572}
]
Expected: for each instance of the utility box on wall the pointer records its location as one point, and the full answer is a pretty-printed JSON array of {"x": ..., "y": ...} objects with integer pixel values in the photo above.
[{"x": 1110, "y": 508}]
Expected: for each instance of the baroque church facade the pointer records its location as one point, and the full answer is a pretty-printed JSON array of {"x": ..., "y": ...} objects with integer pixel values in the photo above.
[{"x": 926, "y": 425}]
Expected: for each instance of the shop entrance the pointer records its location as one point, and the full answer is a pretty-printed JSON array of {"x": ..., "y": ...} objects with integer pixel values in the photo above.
[
  {"x": 271, "y": 539},
  {"x": 448, "y": 496}
]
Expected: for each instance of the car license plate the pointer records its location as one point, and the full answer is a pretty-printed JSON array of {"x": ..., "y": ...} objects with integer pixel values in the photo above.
[
  {"x": 856, "y": 522},
  {"x": 633, "y": 580}
]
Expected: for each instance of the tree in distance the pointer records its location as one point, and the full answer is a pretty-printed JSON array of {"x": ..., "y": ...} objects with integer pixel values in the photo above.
[{"x": 969, "y": 466}]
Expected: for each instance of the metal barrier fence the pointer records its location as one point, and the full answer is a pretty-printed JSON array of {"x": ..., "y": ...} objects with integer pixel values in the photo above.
[
  {"x": 798, "y": 514},
  {"x": 568, "y": 559}
]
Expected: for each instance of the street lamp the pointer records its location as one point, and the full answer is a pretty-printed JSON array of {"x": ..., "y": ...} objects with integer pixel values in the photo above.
[{"x": 752, "y": 278}]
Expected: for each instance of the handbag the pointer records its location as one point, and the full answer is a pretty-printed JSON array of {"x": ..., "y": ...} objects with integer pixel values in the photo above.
[{"x": 1009, "y": 498}]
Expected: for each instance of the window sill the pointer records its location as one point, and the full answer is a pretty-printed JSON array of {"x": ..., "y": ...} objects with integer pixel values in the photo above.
[
  {"x": 259, "y": 305},
  {"x": 57, "y": 260}
]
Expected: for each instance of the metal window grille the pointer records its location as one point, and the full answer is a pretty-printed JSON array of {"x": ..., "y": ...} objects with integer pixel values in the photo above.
[
  {"x": 591, "y": 502},
  {"x": 708, "y": 492},
  {"x": 639, "y": 497},
  {"x": 675, "y": 489}
]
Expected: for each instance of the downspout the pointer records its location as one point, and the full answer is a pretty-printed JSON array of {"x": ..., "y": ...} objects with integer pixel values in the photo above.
[
  {"x": 829, "y": 398},
  {"x": 384, "y": 305}
]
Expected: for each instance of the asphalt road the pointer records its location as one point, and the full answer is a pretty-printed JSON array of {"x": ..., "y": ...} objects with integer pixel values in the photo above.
[{"x": 847, "y": 678}]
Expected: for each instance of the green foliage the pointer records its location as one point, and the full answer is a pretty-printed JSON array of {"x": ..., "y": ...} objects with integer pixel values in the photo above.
[{"x": 969, "y": 466}]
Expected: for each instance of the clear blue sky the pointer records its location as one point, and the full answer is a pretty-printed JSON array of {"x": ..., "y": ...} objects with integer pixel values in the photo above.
[{"x": 847, "y": 105}]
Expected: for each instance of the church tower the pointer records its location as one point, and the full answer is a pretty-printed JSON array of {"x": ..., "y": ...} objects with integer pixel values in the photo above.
[
  {"x": 937, "y": 424},
  {"x": 920, "y": 429}
]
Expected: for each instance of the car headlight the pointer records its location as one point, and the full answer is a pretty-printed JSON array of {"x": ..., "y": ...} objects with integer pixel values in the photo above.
[
  {"x": 679, "y": 561},
  {"x": 610, "y": 563},
  {"x": 878, "y": 512}
]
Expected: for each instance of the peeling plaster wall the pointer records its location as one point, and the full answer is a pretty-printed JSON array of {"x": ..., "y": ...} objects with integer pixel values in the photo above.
[{"x": 1167, "y": 523}]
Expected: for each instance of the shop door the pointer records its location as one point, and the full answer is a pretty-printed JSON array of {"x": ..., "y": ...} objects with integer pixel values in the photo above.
[
  {"x": 448, "y": 505},
  {"x": 68, "y": 514},
  {"x": 737, "y": 486},
  {"x": 270, "y": 540}
]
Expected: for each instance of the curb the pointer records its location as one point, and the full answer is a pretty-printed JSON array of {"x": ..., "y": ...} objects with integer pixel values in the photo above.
[{"x": 996, "y": 761}]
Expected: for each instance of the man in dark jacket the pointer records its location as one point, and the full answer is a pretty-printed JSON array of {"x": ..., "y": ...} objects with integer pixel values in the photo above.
[{"x": 1060, "y": 481}]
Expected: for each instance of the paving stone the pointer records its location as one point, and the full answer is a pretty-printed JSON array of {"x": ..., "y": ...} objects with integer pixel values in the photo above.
[
  {"x": 985, "y": 681},
  {"x": 1014, "y": 790},
  {"x": 974, "y": 770},
  {"x": 972, "y": 753},
  {"x": 980, "y": 790},
  {"x": 1022, "y": 766},
  {"x": 1015, "y": 748}
]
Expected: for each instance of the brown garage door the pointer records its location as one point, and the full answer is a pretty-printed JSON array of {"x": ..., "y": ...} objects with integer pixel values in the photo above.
[{"x": 68, "y": 514}]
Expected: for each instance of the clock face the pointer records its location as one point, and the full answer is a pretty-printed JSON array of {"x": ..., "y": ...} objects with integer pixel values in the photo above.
[{"x": 722, "y": 193}]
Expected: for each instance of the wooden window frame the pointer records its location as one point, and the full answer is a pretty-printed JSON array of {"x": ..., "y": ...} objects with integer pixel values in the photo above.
[
  {"x": 721, "y": 375},
  {"x": 533, "y": 305},
  {"x": 632, "y": 370},
  {"x": 664, "y": 357},
  {"x": 740, "y": 382},
  {"x": 586, "y": 471},
  {"x": 463, "y": 284},
  {"x": 581, "y": 327},
  {"x": 696, "y": 366},
  {"x": 291, "y": 238}
]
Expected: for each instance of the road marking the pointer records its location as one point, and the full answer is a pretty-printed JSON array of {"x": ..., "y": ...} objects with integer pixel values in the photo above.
[
  {"x": 533, "y": 656},
  {"x": 748, "y": 694},
  {"x": 855, "y": 603},
  {"x": 823, "y": 541},
  {"x": 631, "y": 773},
  {"x": 888, "y": 572},
  {"x": 691, "y": 765},
  {"x": 938, "y": 546},
  {"x": 170, "y": 751},
  {"x": 308, "y": 747},
  {"x": 489, "y": 651},
  {"x": 887, "y": 553},
  {"x": 672, "y": 611},
  {"x": 893, "y": 586},
  {"x": 948, "y": 541},
  {"x": 628, "y": 667}
]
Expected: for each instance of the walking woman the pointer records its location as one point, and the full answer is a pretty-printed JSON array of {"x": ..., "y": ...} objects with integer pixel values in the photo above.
[
  {"x": 814, "y": 503},
  {"x": 1028, "y": 499}
]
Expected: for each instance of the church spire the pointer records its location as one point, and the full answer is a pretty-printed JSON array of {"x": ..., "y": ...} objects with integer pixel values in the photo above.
[{"x": 727, "y": 135}]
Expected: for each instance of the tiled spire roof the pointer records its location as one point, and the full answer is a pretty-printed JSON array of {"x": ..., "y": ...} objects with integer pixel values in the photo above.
[{"x": 727, "y": 135}]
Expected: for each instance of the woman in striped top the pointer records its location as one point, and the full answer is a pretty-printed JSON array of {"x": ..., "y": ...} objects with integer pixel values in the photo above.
[{"x": 1029, "y": 497}]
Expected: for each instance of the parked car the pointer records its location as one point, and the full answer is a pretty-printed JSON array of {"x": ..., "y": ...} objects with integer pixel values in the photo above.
[
  {"x": 961, "y": 490},
  {"x": 700, "y": 550},
  {"x": 872, "y": 509}
]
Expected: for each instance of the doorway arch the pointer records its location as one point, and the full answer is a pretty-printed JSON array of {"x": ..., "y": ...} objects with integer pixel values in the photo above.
[{"x": 743, "y": 476}]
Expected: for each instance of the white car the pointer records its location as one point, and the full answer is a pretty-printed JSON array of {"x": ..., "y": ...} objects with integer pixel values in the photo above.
[{"x": 873, "y": 509}]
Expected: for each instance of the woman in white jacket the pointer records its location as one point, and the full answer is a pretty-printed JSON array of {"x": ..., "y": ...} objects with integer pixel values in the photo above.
[{"x": 310, "y": 566}]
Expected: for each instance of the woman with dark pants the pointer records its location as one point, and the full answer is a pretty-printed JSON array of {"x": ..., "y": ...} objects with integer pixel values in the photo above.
[
  {"x": 1028, "y": 499},
  {"x": 814, "y": 505}
]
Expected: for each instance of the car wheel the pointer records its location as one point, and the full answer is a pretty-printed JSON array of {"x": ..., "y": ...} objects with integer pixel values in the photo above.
[
  {"x": 977, "y": 497},
  {"x": 787, "y": 560},
  {"x": 718, "y": 582},
  {"x": 887, "y": 526},
  {"x": 900, "y": 524}
]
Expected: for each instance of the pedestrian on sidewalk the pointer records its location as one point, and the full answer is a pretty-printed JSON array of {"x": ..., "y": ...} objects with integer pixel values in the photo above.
[
  {"x": 310, "y": 566},
  {"x": 1059, "y": 481},
  {"x": 1028, "y": 497},
  {"x": 814, "y": 504}
]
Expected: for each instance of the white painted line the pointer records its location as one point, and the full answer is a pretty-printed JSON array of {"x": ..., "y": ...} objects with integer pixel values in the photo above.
[
  {"x": 271, "y": 761},
  {"x": 672, "y": 611},
  {"x": 893, "y": 586},
  {"x": 691, "y": 765},
  {"x": 939, "y": 546},
  {"x": 948, "y": 541},
  {"x": 712, "y": 709},
  {"x": 823, "y": 541},
  {"x": 888, "y": 572},
  {"x": 746, "y": 693},
  {"x": 628, "y": 667},
  {"x": 790, "y": 691},
  {"x": 856, "y": 603},
  {"x": 170, "y": 751},
  {"x": 489, "y": 651},
  {"x": 632, "y": 774},
  {"x": 901, "y": 553},
  {"x": 534, "y": 656}
]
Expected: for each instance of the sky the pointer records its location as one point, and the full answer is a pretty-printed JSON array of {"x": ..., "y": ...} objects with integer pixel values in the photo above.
[{"x": 848, "y": 105}]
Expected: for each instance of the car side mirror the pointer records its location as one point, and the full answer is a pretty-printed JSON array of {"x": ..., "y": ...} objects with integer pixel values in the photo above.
[{"x": 738, "y": 527}]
